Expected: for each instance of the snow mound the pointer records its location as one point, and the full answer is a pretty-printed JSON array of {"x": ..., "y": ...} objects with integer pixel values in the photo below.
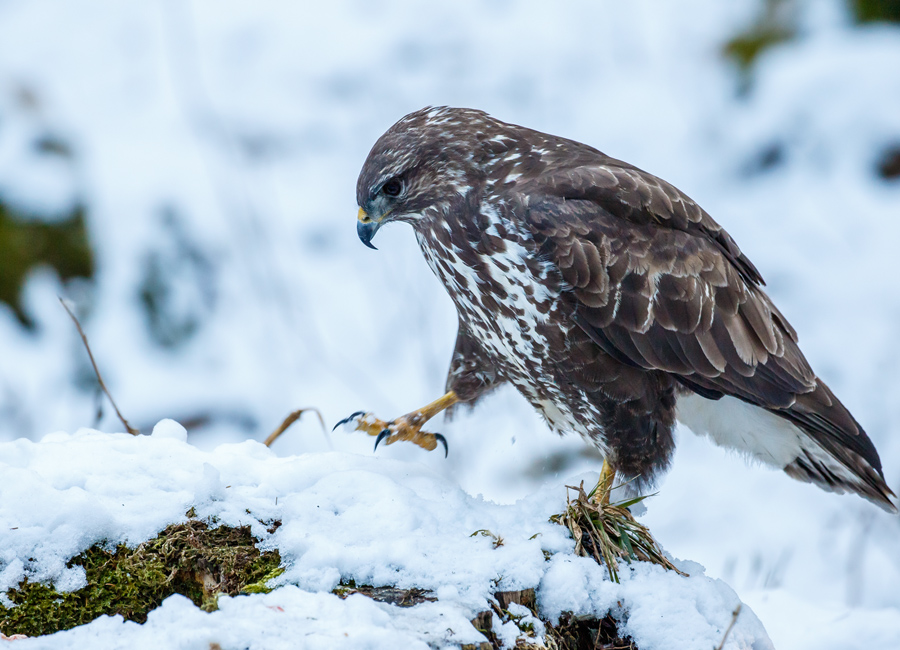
[{"x": 344, "y": 516}]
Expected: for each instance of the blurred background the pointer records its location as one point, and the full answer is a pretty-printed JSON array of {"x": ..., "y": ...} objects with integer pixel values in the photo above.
[{"x": 184, "y": 172}]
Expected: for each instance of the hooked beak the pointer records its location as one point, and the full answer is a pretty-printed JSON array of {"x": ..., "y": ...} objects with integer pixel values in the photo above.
[{"x": 366, "y": 227}]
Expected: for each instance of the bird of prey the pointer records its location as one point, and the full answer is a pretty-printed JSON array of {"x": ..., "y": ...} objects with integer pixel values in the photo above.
[{"x": 612, "y": 301}]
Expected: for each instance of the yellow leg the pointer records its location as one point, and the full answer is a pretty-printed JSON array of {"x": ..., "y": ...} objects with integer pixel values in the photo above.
[
  {"x": 600, "y": 494},
  {"x": 407, "y": 427}
]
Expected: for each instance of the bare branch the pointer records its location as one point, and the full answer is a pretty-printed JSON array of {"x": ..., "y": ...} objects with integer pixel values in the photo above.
[{"x": 87, "y": 347}]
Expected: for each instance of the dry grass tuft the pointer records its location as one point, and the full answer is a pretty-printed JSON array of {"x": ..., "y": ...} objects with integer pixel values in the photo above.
[{"x": 609, "y": 532}]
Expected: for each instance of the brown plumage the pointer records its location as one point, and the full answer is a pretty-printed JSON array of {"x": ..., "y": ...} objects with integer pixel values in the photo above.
[{"x": 610, "y": 299}]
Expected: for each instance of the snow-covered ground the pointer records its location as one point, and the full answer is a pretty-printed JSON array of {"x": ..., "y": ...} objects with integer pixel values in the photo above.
[
  {"x": 345, "y": 516},
  {"x": 220, "y": 141}
]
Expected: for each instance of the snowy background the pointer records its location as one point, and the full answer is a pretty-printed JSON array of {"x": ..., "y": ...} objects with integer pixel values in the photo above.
[{"x": 214, "y": 147}]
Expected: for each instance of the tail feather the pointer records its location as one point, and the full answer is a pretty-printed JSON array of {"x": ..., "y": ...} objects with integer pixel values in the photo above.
[
  {"x": 835, "y": 454},
  {"x": 815, "y": 439},
  {"x": 841, "y": 471}
]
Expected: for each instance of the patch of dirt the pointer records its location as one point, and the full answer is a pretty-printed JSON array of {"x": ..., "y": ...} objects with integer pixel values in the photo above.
[
  {"x": 571, "y": 632},
  {"x": 579, "y": 633}
]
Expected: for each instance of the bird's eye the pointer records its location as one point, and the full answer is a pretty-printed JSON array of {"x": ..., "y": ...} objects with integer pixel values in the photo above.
[{"x": 392, "y": 187}]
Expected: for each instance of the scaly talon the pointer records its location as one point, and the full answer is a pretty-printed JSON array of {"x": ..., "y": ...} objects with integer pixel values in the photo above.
[
  {"x": 404, "y": 429},
  {"x": 408, "y": 427},
  {"x": 441, "y": 439},
  {"x": 348, "y": 418}
]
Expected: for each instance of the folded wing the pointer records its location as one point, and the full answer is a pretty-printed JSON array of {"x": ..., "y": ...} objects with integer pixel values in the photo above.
[{"x": 657, "y": 284}]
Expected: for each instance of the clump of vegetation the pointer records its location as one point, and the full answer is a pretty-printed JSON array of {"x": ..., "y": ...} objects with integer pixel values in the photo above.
[
  {"x": 876, "y": 10},
  {"x": 609, "y": 532},
  {"x": 26, "y": 243},
  {"x": 774, "y": 25},
  {"x": 190, "y": 559}
]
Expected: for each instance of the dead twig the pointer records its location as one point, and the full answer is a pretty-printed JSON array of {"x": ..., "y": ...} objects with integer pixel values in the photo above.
[
  {"x": 87, "y": 347},
  {"x": 734, "y": 618},
  {"x": 290, "y": 419}
]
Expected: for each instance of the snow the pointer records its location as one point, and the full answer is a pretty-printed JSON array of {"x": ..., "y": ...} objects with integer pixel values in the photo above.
[
  {"x": 286, "y": 618},
  {"x": 344, "y": 516},
  {"x": 246, "y": 124}
]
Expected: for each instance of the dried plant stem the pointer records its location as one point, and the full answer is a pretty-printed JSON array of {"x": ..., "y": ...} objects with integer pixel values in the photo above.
[
  {"x": 609, "y": 532},
  {"x": 734, "y": 618},
  {"x": 87, "y": 347},
  {"x": 289, "y": 420}
]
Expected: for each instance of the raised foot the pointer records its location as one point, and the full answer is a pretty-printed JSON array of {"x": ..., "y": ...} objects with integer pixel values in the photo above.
[{"x": 407, "y": 427}]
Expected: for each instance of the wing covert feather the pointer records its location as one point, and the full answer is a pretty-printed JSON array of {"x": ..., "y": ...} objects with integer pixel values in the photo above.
[{"x": 662, "y": 297}]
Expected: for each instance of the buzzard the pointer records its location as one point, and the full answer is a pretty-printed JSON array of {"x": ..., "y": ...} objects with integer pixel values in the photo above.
[{"x": 612, "y": 301}]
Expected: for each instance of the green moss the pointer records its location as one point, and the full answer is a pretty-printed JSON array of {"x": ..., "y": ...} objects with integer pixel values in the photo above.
[
  {"x": 190, "y": 559},
  {"x": 27, "y": 243},
  {"x": 262, "y": 586}
]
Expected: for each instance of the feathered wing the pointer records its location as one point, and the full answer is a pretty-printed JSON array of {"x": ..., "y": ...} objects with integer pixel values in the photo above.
[{"x": 657, "y": 284}]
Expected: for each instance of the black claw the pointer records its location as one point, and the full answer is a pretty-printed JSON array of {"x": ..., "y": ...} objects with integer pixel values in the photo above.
[
  {"x": 381, "y": 436},
  {"x": 348, "y": 418},
  {"x": 441, "y": 439}
]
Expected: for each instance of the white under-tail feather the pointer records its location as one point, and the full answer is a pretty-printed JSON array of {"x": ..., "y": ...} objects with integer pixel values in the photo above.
[{"x": 774, "y": 441}]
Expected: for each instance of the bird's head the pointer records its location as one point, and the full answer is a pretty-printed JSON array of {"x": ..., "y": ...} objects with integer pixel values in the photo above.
[{"x": 423, "y": 162}]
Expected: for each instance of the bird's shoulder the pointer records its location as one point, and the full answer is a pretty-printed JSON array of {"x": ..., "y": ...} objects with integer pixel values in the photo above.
[{"x": 634, "y": 197}]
